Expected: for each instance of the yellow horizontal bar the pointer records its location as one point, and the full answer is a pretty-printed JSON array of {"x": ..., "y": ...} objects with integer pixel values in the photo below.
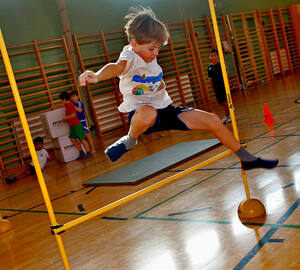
[{"x": 138, "y": 193}]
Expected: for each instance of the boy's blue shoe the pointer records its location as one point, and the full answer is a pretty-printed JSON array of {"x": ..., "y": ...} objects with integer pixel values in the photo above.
[
  {"x": 116, "y": 150},
  {"x": 88, "y": 155},
  {"x": 81, "y": 155},
  {"x": 10, "y": 180},
  {"x": 259, "y": 163}
]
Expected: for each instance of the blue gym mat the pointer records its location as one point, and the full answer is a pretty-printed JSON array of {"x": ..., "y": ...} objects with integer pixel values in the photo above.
[{"x": 146, "y": 167}]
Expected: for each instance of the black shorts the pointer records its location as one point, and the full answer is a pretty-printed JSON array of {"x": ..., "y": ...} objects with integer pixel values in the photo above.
[
  {"x": 166, "y": 119},
  {"x": 31, "y": 169}
]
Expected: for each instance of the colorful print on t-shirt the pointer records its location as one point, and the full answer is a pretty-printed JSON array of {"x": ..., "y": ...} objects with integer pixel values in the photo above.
[{"x": 151, "y": 81}]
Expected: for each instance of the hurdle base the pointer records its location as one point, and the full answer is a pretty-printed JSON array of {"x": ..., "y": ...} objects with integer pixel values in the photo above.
[
  {"x": 5, "y": 226},
  {"x": 252, "y": 212}
]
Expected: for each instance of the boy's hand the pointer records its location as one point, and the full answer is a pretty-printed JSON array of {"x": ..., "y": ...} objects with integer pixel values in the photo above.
[
  {"x": 51, "y": 154},
  {"x": 87, "y": 76},
  {"x": 53, "y": 107}
]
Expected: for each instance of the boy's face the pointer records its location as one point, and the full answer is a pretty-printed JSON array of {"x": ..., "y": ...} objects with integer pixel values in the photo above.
[
  {"x": 214, "y": 58},
  {"x": 64, "y": 101},
  {"x": 74, "y": 98},
  {"x": 147, "y": 51},
  {"x": 39, "y": 146}
]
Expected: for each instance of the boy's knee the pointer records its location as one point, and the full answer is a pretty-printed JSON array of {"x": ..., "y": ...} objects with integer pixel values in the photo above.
[
  {"x": 146, "y": 115},
  {"x": 215, "y": 122}
]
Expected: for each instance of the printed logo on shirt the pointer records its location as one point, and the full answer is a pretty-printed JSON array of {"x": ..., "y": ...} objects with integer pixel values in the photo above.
[
  {"x": 149, "y": 79},
  {"x": 142, "y": 89}
]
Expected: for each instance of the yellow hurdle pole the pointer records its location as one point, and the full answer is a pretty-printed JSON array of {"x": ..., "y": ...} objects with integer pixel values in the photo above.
[
  {"x": 227, "y": 87},
  {"x": 138, "y": 193},
  {"x": 38, "y": 170}
]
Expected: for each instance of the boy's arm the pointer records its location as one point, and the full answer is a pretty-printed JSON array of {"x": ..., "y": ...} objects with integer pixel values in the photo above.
[
  {"x": 70, "y": 116},
  {"x": 51, "y": 154},
  {"x": 210, "y": 75},
  {"x": 56, "y": 106},
  {"x": 80, "y": 106},
  {"x": 78, "y": 109},
  {"x": 109, "y": 71}
]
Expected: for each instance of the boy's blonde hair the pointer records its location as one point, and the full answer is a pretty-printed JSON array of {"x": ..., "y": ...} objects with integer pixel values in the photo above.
[{"x": 144, "y": 27}]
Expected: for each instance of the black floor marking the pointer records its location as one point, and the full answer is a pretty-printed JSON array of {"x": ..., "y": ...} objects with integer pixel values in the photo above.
[
  {"x": 114, "y": 218},
  {"x": 80, "y": 207},
  {"x": 41, "y": 204},
  {"x": 89, "y": 191}
]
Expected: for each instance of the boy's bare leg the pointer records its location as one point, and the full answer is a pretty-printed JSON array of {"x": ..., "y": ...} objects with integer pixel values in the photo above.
[
  {"x": 76, "y": 143},
  {"x": 197, "y": 119},
  {"x": 90, "y": 142},
  {"x": 143, "y": 118},
  {"x": 25, "y": 172},
  {"x": 86, "y": 145}
]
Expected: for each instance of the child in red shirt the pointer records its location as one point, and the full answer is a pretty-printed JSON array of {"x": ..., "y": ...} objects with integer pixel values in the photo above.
[{"x": 76, "y": 128}]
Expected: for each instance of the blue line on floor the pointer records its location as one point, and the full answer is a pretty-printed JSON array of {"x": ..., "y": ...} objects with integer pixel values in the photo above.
[
  {"x": 289, "y": 185},
  {"x": 276, "y": 240},
  {"x": 284, "y": 187}
]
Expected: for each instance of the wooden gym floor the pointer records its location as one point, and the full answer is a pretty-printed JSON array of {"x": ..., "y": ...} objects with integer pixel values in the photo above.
[{"x": 189, "y": 224}]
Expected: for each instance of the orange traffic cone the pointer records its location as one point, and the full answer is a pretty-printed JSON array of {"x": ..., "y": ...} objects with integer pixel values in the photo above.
[
  {"x": 269, "y": 121},
  {"x": 268, "y": 116}
]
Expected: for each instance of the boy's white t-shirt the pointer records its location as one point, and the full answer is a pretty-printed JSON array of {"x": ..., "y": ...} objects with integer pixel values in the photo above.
[
  {"x": 141, "y": 83},
  {"x": 43, "y": 156}
]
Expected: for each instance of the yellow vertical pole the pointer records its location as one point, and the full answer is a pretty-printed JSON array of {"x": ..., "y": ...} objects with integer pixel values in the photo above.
[
  {"x": 36, "y": 164},
  {"x": 226, "y": 83}
]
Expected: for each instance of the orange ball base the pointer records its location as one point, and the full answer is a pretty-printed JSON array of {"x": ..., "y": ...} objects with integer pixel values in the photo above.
[
  {"x": 5, "y": 225},
  {"x": 252, "y": 211}
]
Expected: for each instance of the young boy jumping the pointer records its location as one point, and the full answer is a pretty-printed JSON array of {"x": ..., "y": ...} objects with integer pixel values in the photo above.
[{"x": 145, "y": 96}]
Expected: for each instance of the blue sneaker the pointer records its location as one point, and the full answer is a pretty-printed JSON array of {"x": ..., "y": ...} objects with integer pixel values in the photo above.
[{"x": 116, "y": 150}]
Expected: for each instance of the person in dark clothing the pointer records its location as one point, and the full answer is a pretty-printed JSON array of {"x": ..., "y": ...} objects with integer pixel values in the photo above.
[{"x": 215, "y": 74}]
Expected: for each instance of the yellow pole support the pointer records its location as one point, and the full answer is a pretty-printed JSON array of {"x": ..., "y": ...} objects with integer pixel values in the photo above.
[
  {"x": 138, "y": 193},
  {"x": 36, "y": 164},
  {"x": 5, "y": 225},
  {"x": 226, "y": 83}
]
